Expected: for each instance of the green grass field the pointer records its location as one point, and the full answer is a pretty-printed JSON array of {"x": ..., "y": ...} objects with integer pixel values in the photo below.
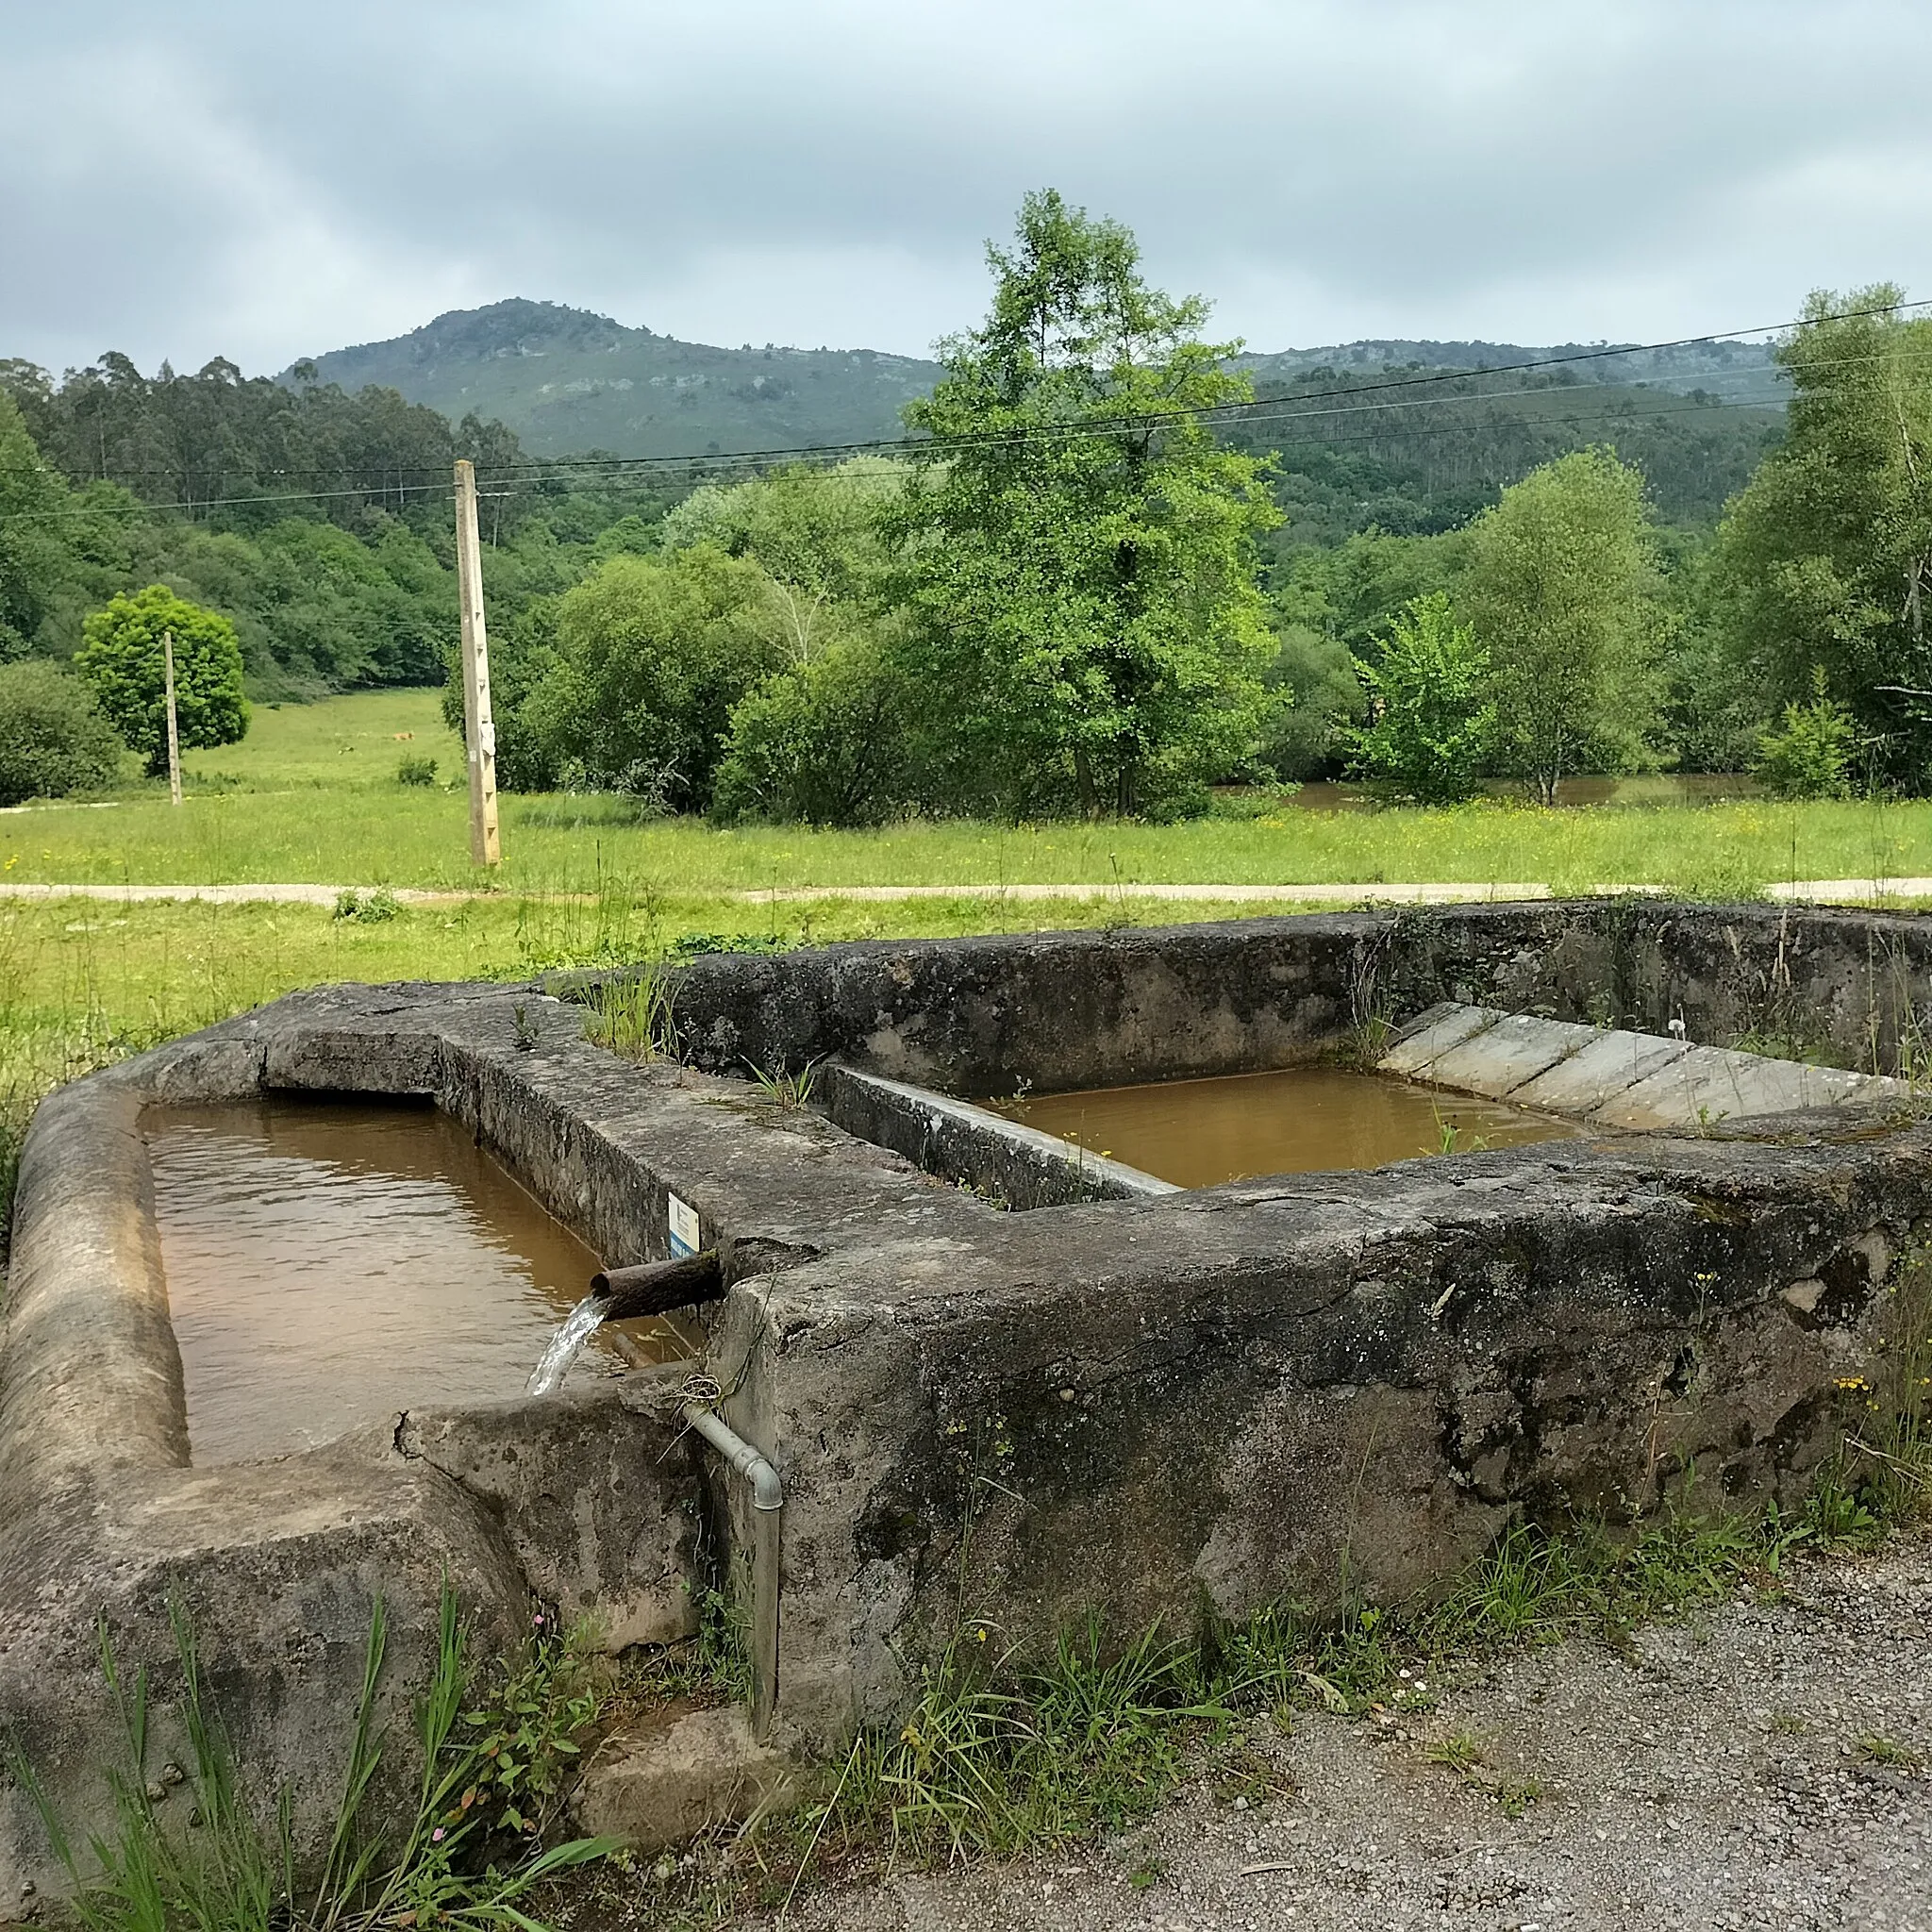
[{"x": 311, "y": 795}]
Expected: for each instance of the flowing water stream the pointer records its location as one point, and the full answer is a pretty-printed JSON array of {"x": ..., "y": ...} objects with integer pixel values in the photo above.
[
  {"x": 331, "y": 1263},
  {"x": 573, "y": 1335},
  {"x": 1303, "y": 1120}
]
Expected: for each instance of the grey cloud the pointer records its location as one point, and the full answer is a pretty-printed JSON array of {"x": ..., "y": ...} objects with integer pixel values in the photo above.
[{"x": 261, "y": 181}]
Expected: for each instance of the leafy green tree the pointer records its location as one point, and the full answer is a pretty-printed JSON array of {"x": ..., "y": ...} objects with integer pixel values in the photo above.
[
  {"x": 1324, "y": 690},
  {"x": 124, "y": 663},
  {"x": 1811, "y": 752},
  {"x": 1354, "y": 592},
  {"x": 1558, "y": 588},
  {"x": 53, "y": 742},
  {"x": 1084, "y": 620},
  {"x": 816, "y": 533},
  {"x": 651, "y": 657},
  {"x": 1431, "y": 720},
  {"x": 1825, "y": 557}
]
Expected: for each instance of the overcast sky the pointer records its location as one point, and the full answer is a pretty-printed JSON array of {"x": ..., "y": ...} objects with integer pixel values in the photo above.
[{"x": 261, "y": 180}]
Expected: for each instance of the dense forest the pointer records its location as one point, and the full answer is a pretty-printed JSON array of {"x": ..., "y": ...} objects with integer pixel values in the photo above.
[
  {"x": 1429, "y": 456},
  {"x": 317, "y": 520},
  {"x": 1280, "y": 546}
]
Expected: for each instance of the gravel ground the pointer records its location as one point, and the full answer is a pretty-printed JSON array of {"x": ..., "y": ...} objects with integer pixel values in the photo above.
[{"x": 1759, "y": 1767}]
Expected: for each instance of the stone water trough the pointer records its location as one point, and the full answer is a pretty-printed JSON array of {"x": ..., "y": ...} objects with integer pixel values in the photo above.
[{"x": 1144, "y": 1402}]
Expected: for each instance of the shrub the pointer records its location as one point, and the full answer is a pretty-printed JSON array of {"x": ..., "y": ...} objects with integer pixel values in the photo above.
[
  {"x": 1324, "y": 684},
  {"x": 416, "y": 771},
  {"x": 1809, "y": 753},
  {"x": 1429, "y": 725},
  {"x": 824, "y": 741},
  {"x": 123, "y": 660},
  {"x": 53, "y": 742},
  {"x": 649, "y": 659},
  {"x": 370, "y": 907}
]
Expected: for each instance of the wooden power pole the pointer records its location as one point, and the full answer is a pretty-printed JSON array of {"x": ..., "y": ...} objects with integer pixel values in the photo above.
[
  {"x": 479, "y": 729},
  {"x": 174, "y": 728}
]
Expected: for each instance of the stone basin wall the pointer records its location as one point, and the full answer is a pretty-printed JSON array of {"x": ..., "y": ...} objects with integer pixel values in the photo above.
[{"x": 1137, "y": 1407}]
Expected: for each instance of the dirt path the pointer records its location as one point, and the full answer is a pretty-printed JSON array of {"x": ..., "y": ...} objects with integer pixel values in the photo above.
[
  {"x": 1854, "y": 891},
  {"x": 1761, "y": 1767}
]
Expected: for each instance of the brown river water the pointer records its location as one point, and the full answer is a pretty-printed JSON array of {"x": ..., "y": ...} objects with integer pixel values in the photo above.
[
  {"x": 331, "y": 1263},
  {"x": 1304, "y": 1120}
]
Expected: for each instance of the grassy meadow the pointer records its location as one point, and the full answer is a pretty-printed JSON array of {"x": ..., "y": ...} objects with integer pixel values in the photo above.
[{"x": 311, "y": 795}]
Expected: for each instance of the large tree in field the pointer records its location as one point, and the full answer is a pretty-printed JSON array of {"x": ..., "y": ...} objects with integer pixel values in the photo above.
[
  {"x": 1558, "y": 588},
  {"x": 124, "y": 663},
  {"x": 1824, "y": 561},
  {"x": 650, "y": 655},
  {"x": 1079, "y": 584}
]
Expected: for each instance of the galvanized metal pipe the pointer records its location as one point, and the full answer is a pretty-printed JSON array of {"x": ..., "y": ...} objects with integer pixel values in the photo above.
[{"x": 768, "y": 1504}]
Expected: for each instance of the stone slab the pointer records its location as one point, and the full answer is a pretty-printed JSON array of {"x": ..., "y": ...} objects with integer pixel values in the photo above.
[
  {"x": 1505, "y": 1057},
  {"x": 1709, "y": 1084},
  {"x": 1438, "y": 1030},
  {"x": 1596, "y": 1073},
  {"x": 672, "y": 1774}
]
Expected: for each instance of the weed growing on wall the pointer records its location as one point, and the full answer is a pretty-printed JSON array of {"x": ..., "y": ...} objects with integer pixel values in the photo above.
[
  {"x": 634, "y": 1016},
  {"x": 1887, "y": 1466},
  {"x": 1003, "y": 1755},
  {"x": 450, "y": 1862}
]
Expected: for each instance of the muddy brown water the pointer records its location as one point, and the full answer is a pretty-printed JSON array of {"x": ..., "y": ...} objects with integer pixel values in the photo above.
[
  {"x": 1304, "y": 1120},
  {"x": 332, "y": 1263}
]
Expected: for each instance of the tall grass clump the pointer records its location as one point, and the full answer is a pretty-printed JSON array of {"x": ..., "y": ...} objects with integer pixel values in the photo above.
[
  {"x": 634, "y": 1016},
  {"x": 233, "y": 1868},
  {"x": 1000, "y": 1755}
]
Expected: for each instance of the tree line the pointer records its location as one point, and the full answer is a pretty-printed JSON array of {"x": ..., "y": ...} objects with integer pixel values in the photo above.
[
  {"x": 1064, "y": 604},
  {"x": 1085, "y": 591}
]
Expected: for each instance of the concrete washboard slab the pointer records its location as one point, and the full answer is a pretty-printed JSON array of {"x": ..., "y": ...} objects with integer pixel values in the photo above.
[
  {"x": 1707, "y": 1084},
  {"x": 1503, "y": 1058},
  {"x": 1597, "y": 1072},
  {"x": 1433, "y": 1034}
]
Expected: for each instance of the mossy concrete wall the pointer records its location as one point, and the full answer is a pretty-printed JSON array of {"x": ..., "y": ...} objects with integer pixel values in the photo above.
[{"x": 1215, "y": 1397}]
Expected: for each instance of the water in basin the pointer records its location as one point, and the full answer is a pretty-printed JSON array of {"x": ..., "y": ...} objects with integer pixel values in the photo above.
[
  {"x": 1303, "y": 1120},
  {"x": 330, "y": 1263}
]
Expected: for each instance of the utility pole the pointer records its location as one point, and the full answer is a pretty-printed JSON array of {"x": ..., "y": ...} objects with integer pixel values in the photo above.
[
  {"x": 174, "y": 730},
  {"x": 479, "y": 729}
]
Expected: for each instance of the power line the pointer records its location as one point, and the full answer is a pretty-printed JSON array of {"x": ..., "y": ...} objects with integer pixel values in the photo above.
[
  {"x": 528, "y": 487},
  {"x": 1126, "y": 423},
  {"x": 1261, "y": 409}
]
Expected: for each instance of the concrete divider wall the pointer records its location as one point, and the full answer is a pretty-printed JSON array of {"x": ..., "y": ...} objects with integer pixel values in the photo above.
[{"x": 1014, "y": 1165}]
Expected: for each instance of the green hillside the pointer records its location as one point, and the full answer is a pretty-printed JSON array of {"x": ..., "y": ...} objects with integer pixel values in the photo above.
[
  {"x": 567, "y": 381},
  {"x": 1417, "y": 459},
  {"x": 1734, "y": 371}
]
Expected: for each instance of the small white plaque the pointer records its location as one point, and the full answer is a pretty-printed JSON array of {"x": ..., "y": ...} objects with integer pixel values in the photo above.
[{"x": 684, "y": 1226}]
